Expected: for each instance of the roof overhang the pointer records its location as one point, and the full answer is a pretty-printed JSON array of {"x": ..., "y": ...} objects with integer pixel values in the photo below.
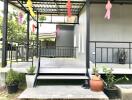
[{"x": 51, "y": 7}]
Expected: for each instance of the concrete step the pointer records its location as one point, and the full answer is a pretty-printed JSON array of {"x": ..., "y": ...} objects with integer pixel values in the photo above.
[
  {"x": 61, "y": 92},
  {"x": 69, "y": 70},
  {"x": 61, "y": 77}
]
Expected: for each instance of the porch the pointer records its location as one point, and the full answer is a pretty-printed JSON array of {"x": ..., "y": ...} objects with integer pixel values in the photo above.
[{"x": 67, "y": 66}]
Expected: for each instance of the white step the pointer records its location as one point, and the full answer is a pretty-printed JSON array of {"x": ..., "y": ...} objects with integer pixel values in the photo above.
[
  {"x": 63, "y": 70},
  {"x": 61, "y": 77}
]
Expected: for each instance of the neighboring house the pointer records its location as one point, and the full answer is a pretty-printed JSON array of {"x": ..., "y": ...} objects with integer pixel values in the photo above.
[{"x": 58, "y": 43}]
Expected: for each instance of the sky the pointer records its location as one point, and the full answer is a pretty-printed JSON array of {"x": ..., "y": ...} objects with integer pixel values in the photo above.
[{"x": 1, "y": 5}]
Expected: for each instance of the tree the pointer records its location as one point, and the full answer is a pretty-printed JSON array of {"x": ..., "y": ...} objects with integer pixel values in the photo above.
[{"x": 15, "y": 32}]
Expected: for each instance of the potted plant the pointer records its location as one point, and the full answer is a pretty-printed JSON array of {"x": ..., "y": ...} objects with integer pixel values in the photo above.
[
  {"x": 110, "y": 89},
  {"x": 96, "y": 83},
  {"x": 30, "y": 77},
  {"x": 12, "y": 81},
  {"x": 122, "y": 56}
]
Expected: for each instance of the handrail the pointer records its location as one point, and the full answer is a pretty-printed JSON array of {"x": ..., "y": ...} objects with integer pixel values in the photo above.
[
  {"x": 37, "y": 73},
  {"x": 110, "y": 42},
  {"x": 59, "y": 46}
]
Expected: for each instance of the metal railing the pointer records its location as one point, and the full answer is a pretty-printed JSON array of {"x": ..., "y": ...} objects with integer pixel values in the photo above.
[
  {"x": 38, "y": 68},
  {"x": 18, "y": 53},
  {"x": 58, "y": 51},
  {"x": 111, "y": 52}
]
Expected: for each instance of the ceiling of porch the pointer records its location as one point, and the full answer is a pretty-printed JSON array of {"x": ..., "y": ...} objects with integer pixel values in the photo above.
[{"x": 51, "y": 7}]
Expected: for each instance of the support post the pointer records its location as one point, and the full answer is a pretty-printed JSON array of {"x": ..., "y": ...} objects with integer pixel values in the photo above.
[
  {"x": 27, "y": 44},
  {"x": 86, "y": 84},
  {"x": 37, "y": 37},
  {"x": 95, "y": 55},
  {"x": 78, "y": 18},
  {"x": 4, "y": 39},
  {"x": 129, "y": 55},
  {"x": 87, "y": 35}
]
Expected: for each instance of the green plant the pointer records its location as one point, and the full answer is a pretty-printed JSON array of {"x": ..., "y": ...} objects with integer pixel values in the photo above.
[
  {"x": 110, "y": 77},
  {"x": 42, "y": 18},
  {"x": 16, "y": 32},
  {"x": 22, "y": 79},
  {"x": 95, "y": 71},
  {"x": 12, "y": 77},
  {"x": 95, "y": 74},
  {"x": 31, "y": 70}
]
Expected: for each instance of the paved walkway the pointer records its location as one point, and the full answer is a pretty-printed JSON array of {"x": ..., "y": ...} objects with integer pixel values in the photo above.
[{"x": 61, "y": 93}]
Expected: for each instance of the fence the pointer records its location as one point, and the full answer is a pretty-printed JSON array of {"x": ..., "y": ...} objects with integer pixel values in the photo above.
[{"x": 111, "y": 52}]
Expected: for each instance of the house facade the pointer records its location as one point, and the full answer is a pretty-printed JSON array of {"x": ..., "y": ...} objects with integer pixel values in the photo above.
[{"x": 117, "y": 29}]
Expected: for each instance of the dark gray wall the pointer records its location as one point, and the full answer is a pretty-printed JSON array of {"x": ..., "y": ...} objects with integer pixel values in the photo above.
[{"x": 65, "y": 35}]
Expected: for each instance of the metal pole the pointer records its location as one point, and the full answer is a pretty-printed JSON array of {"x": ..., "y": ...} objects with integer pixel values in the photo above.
[
  {"x": 37, "y": 39},
  {"x": 4, "y": 39},
  {"x": 86, "y": 84},
  {"x": 88, "y": 35},
  {"x": 95, "y": 54},
  {"x": 11, "y": 54},
  {"x": 27, "y": 44},
  {"x": 129, "y": 55}
]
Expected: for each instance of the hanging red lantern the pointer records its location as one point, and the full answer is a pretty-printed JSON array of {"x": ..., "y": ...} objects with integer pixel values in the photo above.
[
  {"x": 33, "y": 28},
  {"x": 108, "y": 9},
  {"x": 68, "y": 5},
  {"x": 20, "y": 17}
]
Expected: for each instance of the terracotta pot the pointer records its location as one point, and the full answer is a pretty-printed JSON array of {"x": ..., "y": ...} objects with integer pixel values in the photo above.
[{"x": 96, "y": 85}]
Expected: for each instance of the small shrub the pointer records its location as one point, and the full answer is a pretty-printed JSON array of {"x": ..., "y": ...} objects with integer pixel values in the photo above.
[
  {"x": 12, "y": 77},
  {"x": 111, "y": 80},
  {"x": 31, "y": 70},
  {"x": 22, "y": 83}
]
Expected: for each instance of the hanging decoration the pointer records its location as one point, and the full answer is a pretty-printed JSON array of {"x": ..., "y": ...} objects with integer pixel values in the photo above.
[
  {"x": 108, "y": 10},
  {"x": 33, "y": 28},
  {"x": 20, "y": 17},
  {"x": 68, "y": 5},
  {"x": 29, "y": 5},
  {"x": 57, "y": 30}
]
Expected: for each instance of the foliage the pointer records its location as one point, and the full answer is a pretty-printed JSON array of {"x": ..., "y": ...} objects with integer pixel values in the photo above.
[
  {"x": 15, "y": 31},
  {"x": 95, "y": 74},
  {"x": 95, "y": 71},
  {"x": 22, "y": 81},
  {"x": 31, "y": 70},
  {"x": 110, "y": 78},
  {"x": 42, "y": 18},
  {"x": 12, "y": 77}
]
